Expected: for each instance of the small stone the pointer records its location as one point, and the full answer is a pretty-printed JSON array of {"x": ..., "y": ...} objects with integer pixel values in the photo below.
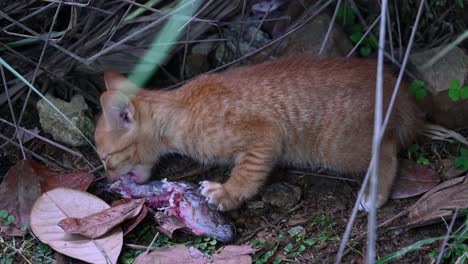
[
  {"x": 197, "y": 60},
  {"x": 297, "y": 231},
  {"x": 308, "y": 39},
  {"x": 56, "y": 125},
  {"x": 282, "y": 194},
  {"x": 297, "y": 220},
  {"x": 255, "y": 205},
  {"x": 452, "y": 66}
]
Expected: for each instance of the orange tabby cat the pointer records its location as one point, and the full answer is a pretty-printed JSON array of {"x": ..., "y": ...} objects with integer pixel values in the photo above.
[{"x": 300, "y": 110}]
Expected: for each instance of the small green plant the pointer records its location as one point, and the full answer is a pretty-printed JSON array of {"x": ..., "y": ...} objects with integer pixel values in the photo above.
[
  {"x": 129, "y": 255},
  {"x": 299, "y": 244},
  {"x": 207, "y": 245},
  {"x": 348, "y": 18},
  {"x": 266, "y": 256},
  {"x": 44, "y": 254},
  {"x": 462, "y": 160},
  {"x": 415, "y": 152},
  {"x": 6, "y": 218},
  {"x": 455, "y": 252},
  {"x": 456, "y": 92},
  {"x": 417, "y": 89}
]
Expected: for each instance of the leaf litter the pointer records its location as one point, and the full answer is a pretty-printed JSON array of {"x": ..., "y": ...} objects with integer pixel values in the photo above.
[
  {"x": 25, "y": 182},
  {"x": 179, "y": 254},
  {"x": 100, "y": 223}
]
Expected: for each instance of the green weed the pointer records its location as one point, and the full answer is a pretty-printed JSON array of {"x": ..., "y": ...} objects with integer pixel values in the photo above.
[
  {"x": 6, "y": 218},
  {"x": 348, "y": 19},
  {"x": 415, "y": 153},
  {"x": 456, "y": 92},
  {"x": 417, "y": 89},
  {"x": 462, "y": 160}
]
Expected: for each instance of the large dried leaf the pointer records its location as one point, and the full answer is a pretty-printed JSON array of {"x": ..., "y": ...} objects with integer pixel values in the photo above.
[
  {"x": 100, "y": 223},
  {"x": 414, "y": 179},
  {"x": 24, "y": 183},
  {"x": 434, "y": 204},
  {"x": 181, "y": 255},
  {"x": 18, "y": 191},
  {"x": 50, "y": 179},
  {"x": 129, "y": 225},
  {"x": 234, "y": 254},
  {"x": 60, "y": 203}
]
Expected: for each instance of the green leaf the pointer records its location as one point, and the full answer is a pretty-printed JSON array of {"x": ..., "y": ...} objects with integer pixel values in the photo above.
[
  {"x": 416, "y": 85},
  {"x": 410, "y": 248},
  {"x": 464, "y": 92},
  {"x": 310, "y": 241},
  {"x": 292, "y": 254},
  {"x": 356, "y": 37},
  {"x": 3, "y": 213},
  {"x": 454, "y": 94},
  {"x": 373, "y": 42},
  {"x": 356, "y": 28},
  {"x": 413, "y": 148},
  {"x": 464, "y": 152},
  {"x": 420, "y": 94},
  {"x": 455, "y": 84},
  {"x": 350, "y": 16},
  {"x": 422, "y": 160},
  {"x": 460, "y": 3},
  {"x": 341, "y": 11},
  {"x": 461, "y": 162},
  {"x": 365, "y": 51},
  {"x": 288, "y": 247},
  {"x": 213, "y": 242},
  {"x": 277, "y": 260},
  {"x": 10, "y": 219},
  {"x": 301, "y": 248}
]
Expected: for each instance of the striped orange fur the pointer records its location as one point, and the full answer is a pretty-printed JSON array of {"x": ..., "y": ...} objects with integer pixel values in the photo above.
[{"x": 300, "y": 110}]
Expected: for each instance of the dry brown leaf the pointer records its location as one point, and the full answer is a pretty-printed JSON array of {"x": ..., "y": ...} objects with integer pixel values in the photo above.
[
  {"x": 168, "y": 224},
  {"x": 59, "y": 203},
  {"x": 432, "y": 205},
  {"x": 181, "y": 255},
  {"x": 414, "y": 179},
  {"x": 50, "y": 179},
  {"x": 18, "y": 191},
  {"x": 234, "y": 254},
  {"x": 130, "y": 224},
  {"x": 172, "y": 255},
  {"x": 100, "y": 223},
  {"x": 23, "y": 184}
]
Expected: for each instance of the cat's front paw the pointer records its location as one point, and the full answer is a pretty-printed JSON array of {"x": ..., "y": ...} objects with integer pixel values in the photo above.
[{"x": 216, "y": 193}]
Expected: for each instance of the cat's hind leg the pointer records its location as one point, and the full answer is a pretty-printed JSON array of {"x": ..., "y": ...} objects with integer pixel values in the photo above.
[{"x": 388, "y": 165}]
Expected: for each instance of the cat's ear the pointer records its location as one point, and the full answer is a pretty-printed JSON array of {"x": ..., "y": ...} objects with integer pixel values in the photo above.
[
  {"x": 117, "y": 82},
  {"x": 118, "y": 109}
]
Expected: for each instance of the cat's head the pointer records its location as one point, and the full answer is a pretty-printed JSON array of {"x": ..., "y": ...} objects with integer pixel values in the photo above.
[{"x": 118, "y": 131}]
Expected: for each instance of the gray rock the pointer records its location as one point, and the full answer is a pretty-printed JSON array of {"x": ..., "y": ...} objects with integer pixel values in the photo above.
[
  {"x": 54, "y": 123},
  {"x": 282, "y": 194},
  {"x": 255, "y": 205},
  {"x": 197, "y": 60},
  {"x": 308, "y": 39},
  {"x": 298, "y": 231},
  {"x": 249, "y": 40},
  {"x": 452, "y": 66}
]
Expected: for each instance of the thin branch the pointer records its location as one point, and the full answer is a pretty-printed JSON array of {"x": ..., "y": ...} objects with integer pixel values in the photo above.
[{"x": 330, "y": 27}]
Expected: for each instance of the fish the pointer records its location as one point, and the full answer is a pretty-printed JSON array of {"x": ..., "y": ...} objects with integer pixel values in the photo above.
[{"x": 181, "y": 200}]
